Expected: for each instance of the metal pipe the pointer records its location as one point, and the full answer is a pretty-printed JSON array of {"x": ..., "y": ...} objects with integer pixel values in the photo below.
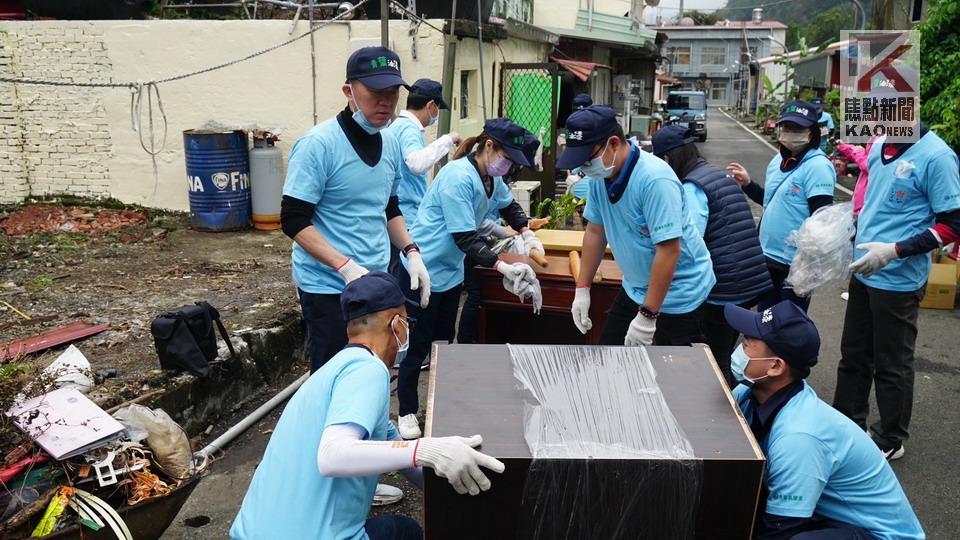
[
  {"x": 483, "y": 86},
  {"x": 385, "y": 23},
  {"x": 223, "y": 440},
  {"x": 313, "y": 65}
]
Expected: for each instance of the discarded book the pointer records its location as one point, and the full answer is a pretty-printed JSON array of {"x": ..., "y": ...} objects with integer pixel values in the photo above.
[{"x": 65, "y": 423}]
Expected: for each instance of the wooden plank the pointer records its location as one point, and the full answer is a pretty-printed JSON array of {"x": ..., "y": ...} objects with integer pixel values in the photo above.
[{"x": 48, "y": 339}]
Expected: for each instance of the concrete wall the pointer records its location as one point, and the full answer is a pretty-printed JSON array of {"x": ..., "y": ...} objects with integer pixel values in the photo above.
[{"x": 79, "y": 141}]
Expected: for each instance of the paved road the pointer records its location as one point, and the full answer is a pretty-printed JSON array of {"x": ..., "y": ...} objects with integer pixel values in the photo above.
[{"x": 928, "y": 472}]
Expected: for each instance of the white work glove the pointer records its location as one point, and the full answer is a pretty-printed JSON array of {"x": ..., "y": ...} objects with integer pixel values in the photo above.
[
  {"x": 516, "y": 275},
  {"x": 878, "y": 255},
  {"x": 581, "y": 309},
  {"x": 530, "y": 241},
  {"x": 350, "y": 271},
  {"x": 641, "y": 331},
  {"x": 455, "y": 459},
  {"x": 419, "y": 277},
  {"x": 571, "y": 180}
]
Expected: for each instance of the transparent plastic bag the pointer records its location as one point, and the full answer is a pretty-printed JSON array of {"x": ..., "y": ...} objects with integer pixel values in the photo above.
[
  {"x": 824, "y": 248},
  {"x": 166, "y": 439}
]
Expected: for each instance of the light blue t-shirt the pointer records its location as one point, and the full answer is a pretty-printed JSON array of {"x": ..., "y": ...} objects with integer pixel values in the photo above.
[
  {"x": 288, "y": 498},
  {"x": 825, "y": 117},
  {"x": 581, "y": 189},
  {"x": 785, "y": 200},
  {"x": 652, "y": 210},
  {"x": 902, "y": 198},
  {"x": 501, "y": 199},
  {"x": 455, "y": 202},
  {"x": 350, "y": 198},
  {"x": 821, "y": 465},
  {"x": 412, "y": 186}
]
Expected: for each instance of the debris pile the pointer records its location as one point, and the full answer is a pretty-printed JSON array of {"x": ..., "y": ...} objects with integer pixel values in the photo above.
[
  {"x": 77, "y": 468},
  {"x": 51, "y": 218}
]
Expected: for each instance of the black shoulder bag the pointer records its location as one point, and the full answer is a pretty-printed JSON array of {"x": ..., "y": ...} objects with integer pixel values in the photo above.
[{"x": 185, "y": 339}]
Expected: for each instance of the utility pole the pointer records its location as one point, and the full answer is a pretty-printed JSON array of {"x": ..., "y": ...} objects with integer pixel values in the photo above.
[{"x": 385, "y": 23}]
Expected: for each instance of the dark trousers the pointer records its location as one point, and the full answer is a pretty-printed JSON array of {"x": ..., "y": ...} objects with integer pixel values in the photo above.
[
  {"x": 877, "y": 346},
  {"x": 721, "y": 338},
  {"x": 681, "y": 329},
  {"x": 469, "y": 329},
  {"x": 781, "y": 291},
  {"x": 436, "y": 323},
  {"x": 393, "y": 528},
  {"x": 325, "y": 328},
  {"x": 833, "y": 530}
]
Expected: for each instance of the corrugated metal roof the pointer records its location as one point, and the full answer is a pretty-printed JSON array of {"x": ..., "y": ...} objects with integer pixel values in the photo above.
[{"x": 607, "y": 29}]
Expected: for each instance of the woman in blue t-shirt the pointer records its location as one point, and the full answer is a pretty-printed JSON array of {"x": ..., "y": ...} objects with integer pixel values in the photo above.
[
  {"x": 447, "y": 223},
  {"x": 800, "y": 180}
]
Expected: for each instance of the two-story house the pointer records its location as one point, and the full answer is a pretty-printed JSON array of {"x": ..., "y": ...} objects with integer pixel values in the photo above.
[{"x": 721, "y": 59}]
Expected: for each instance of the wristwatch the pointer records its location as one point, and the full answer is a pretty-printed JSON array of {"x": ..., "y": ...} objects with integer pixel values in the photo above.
[
  {"x": 646, "y": 312},
  {"x": 410, "y": 247}
]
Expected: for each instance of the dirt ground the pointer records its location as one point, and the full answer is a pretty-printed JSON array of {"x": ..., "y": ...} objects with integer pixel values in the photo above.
[{"x": 128, "y": 275}]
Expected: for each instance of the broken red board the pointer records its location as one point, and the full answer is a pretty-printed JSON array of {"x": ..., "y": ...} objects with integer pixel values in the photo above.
[{"x": 48, "y": 339}]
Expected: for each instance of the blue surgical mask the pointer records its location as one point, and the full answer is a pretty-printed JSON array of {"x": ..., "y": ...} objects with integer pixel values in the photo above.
[
  {"x": 499, "y": 166},
  {"x": 433, "y": 119},
  {"x": 596, "y": 168},
  {"x": 361, "y": 119},
  {"x": 405, "y": 345},
  {"x": 738, "y": 366}
]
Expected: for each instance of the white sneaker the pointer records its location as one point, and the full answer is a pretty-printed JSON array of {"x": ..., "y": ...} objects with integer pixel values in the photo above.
[
  {"x": 893, "y": 453},
  {"x": 387, "y": 494},
  {"x": 409, "y": 427}
]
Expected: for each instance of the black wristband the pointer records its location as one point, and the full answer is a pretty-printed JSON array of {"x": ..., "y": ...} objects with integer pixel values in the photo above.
[
  {"x": 410, "y": 247},
  {"x": 652, "y": 315}
]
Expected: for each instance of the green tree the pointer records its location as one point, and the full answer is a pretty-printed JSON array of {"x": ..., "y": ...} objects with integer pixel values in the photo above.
[
  {"x": 703, "y": 18},
  {"x": 825, "y": 27},
  {"x": 939, "y": 66}
]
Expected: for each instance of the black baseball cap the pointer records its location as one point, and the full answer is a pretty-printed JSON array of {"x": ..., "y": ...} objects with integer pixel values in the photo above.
[
  {"x": 377, "y": 68},
  {"x": 370, "y": 293},
  {"x": 669, "y": 137},
  {"x": 785, "y": 328},
  {"x": 511, "y": 136},
  {"x": 430, "y": 89},
  {"x": 582, "y": 101},
  {"x": 585, "y": 129},
  {"x": 799, "y": 112},
  {"x": 817, "y": 102}
]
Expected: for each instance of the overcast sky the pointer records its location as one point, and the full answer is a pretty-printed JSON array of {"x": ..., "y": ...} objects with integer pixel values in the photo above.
[{"x": 669, "y": 8}]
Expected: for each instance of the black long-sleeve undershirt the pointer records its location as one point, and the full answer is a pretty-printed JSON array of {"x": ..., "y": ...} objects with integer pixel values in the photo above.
[{"x": 475, "y": 248}]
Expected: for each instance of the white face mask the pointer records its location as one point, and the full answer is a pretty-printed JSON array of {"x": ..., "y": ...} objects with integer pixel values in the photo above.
[
  {"x": 794, "y": 141},
  {"x": 596, "y": 168},
  {"x": 738, "y": 366},
  {"x": 402, "y": 347}
]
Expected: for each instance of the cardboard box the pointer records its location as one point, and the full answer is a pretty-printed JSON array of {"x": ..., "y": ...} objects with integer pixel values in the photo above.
[
  {"x": 941, "y": 287},
  {"x": 950, "y": 261}
]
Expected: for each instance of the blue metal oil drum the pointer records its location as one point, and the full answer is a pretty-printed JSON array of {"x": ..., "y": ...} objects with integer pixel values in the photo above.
[{"x": 218, "y": 179}]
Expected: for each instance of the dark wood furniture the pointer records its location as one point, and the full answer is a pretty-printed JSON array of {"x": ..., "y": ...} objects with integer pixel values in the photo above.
[
  {"x": 473, "y": 390},
  {"x": 503, "y": 319}
]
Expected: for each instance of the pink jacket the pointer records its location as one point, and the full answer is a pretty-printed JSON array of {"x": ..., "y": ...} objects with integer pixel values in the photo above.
[{"x": 858, "y": 155}]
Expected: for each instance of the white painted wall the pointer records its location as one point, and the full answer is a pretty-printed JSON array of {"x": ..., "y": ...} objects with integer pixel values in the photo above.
[{"x": 79, "y": 141}]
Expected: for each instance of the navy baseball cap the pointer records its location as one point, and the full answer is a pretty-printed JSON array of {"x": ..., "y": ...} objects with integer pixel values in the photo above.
[
  {"x": 785, "y": 328},
  {"x": 582, "y": 101},
  {"x": 669, "y": 137},
  {"x": 530, "y": 146},
  {"x": 377, "y": 68},
  {"x": 370, "y": 293},
  {"x": 585, "y": 129},
  {"x": 799, "y": 112},
  {"x": 431, "y": 89},
  {"x": 511, "y": 136},
  {"x": 818, "y": 103}
]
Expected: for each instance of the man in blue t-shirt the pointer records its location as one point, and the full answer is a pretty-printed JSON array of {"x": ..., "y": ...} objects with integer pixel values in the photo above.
[
  {"x": 340, "y": 203},
  {"x": 826, "y": 123},
  {"x": 636, "y": 203},
  {"x": 800, "y": 180},
  {"x": 912, "y": 206},
  {"x": 319, "y": 472},
  {"x": 825, "y": 479}
]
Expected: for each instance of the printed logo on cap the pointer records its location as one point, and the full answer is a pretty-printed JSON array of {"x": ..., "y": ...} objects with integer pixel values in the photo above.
[
  {"x": 384, "y": 62},
  {"x": 767, "y": 316},
  {"x": 575, "y": 135},
  {"x": 802, "y": 110}
]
